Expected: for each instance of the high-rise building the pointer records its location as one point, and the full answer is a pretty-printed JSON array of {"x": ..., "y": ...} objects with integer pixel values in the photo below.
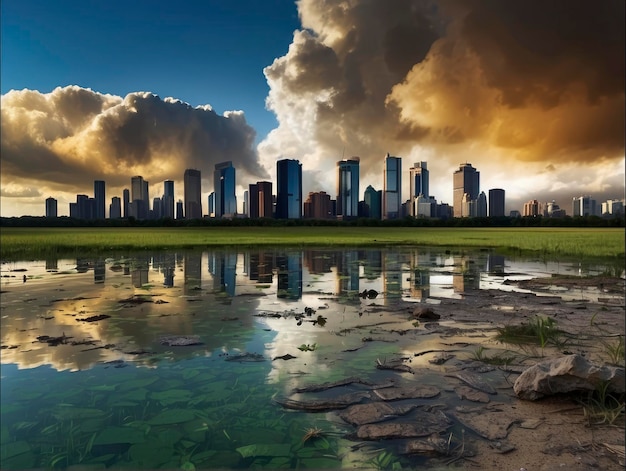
[
  {"x": 532, "y": 209},
  {"x": 288, "y": 189},
  {"x": 419, "y": 179},
  {"x": 51, "y": 207},
  {"x": 99, "y": 195},
  {"x": 466, "y": 180},
  {"x": 318, "y": 206},
  {"x": 139, "y": 203},
  {"x": 224, "y": 188},
  {"x": 348, "y": 188},
  {"x": 126, "y": 197},
  {"x": 211, "y": 201},
  {"x": 481, "y": 205},
  {"x": 167, "y": 205},
  {"x": 180, "y": 211},
  {"x": 372, "y": 199},
  {"x": 193, "y": 197},
  {"x": 115, "y": 208},
  {"x": 266, "y": 199},
  {"x": 260, "y": 200},
  {"x": 496, "y": 203},
  {"x": 584, "y": 206},
  {"x": 392, "y": 188}
]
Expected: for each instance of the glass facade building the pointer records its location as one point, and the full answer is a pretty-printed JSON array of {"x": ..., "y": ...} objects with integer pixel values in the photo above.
[
  {"x": 348, "y": 188},
  {"x": 224, "y": 188},
  {"x": 392, "y": 188},
  {"x": 288, "y": 189},
  {"x": 466, "y": 180}
]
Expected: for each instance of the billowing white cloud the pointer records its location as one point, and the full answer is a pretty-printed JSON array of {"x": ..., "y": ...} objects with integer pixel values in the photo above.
[{"x": 66, "y": 139}]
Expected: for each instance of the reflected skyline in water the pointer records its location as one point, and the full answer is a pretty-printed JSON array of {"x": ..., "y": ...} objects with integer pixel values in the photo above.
[{"x": 148, "y": 296}]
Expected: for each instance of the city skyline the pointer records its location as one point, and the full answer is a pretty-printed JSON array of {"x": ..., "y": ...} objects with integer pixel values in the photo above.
[
  {"x": 90, "y": 93},
  {"x": 259, "y": 201}
]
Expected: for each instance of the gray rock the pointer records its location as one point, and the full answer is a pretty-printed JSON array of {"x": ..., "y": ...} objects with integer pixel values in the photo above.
[
  {"x": 474, "y": 381},
  {"x": 471, "y": 394},
  {"x": 425, "y": 424},
  {"x": 423, "y": 391},
  {"x": 373, "y": 412},
  {"x": 567, "y": 374}
]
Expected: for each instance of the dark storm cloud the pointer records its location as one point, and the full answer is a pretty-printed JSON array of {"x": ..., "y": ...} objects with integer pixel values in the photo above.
[
  {"x": 73, "y": 135},
  {"x": 501, "y": 84}
]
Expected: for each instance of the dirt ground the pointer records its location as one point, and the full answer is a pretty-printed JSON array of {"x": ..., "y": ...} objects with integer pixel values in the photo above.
[{"x": 558, "y": 434}]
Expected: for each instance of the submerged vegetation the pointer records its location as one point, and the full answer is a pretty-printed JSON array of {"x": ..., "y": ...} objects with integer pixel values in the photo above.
[{"x": 550, "y": 243}]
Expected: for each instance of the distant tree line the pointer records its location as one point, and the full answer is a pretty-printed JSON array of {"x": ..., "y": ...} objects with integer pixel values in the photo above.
[{"x": 538, "y": 221}]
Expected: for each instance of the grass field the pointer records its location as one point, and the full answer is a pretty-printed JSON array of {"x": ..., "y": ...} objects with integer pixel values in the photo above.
[{"x": 38, "y": 243}]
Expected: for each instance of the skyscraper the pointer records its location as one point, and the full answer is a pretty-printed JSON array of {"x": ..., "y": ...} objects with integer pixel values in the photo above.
[
  {"x": 318, "y": 206},
  {"x": 224, "y": 189},
  {"x": 266, "y": 199},
  {"x": 139, "y": 205},
  {"x": 115, "y": 208},
  {"x": 372, "y": 200},
  {"x": 193, "y": 198},
  {"x": 481, "y": 205},
  {"x": 465, "y": 180},
  {"x": 288, "y": 189},
  {"x": 51, "y": 207},
  {"x": 496, "y": 202},
  {"x": 126, "y": 197},
  {"x": 167, "y": 205},
  {"x": 419, "y": 179},
  {"x": 584, "y": 206},
  {"x": 392, "y": 188},
  {"x": 348, "y": 188},
  {"x": 99, "y": 195}
]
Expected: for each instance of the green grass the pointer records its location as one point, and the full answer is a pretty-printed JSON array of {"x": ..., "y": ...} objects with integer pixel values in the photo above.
[
  {"x": 19, "y": 243},
  {"x": 539, "y": 330}
]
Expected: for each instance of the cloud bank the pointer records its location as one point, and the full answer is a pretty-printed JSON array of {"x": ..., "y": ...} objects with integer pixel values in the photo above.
[
  {"x": 71, "y": 136},
  {"x": 518, "y": 89}
]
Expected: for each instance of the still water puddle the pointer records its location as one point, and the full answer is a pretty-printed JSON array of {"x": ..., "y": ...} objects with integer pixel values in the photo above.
[{"x": 197, "y": 360}]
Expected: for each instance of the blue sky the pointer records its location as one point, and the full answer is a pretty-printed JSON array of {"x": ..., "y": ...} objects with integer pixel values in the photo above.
[{"x": 202, "y": 52}]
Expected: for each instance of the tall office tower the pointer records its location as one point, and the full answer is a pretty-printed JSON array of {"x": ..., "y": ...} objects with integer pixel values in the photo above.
[
  {"x": 138, "y": 198},
  {"x": 99, "y": 194},
  {"x": 288, "y": 189},
  {"x": 180, "y": 212},
  {"x": 532, "y": 209},
  {"x": 348, "y": 188},
  {"x": 211, "y": 201},
  {"x": 253, "y": 201},
  {"x": 126, "y": 197},
  {"x": 266, "y": 199},
  {"x": 224, "y": 188},
  {"x": 318, "y": 206},
  {"x": 115, "y": 208},
  {"x": 584, "y": 206},
  {"x": 392, "y": 188},
  {"x": 193, "y": 198},
  {"x": 373, "y": 200},
  {"x": 419, "y": 180},
  {"x": 465, "y": 180},
  {"x": 51, "y": 207},
  {"x": 167, "y": 205},
  {"x": 157, "y": 208},
  {"x": 496, "y": 203},
  {"x": 260, "y": 200},
  {"x": 481, "y": 205}
]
